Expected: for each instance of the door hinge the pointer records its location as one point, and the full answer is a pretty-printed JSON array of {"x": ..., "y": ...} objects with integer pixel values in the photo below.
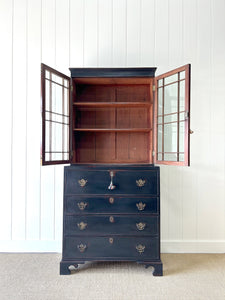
[
  {"x": 71, "y": 88},
  {"x": 186, "y": 115},
  {"x": 153, "y": 153},
  {"x": 153, "y": 88}
]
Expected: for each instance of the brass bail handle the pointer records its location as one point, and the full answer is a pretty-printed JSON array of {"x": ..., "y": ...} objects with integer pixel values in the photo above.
[{"x": 111, "y": 185}]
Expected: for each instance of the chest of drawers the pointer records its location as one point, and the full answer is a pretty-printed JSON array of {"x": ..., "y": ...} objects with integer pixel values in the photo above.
[{"x": 111, "y": 213}]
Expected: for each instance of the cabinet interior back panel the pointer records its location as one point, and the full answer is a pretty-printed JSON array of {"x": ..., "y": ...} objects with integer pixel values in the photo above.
[
  {"x": 129, "y": 111},
  {"x": 112, "y": 147},
  {"x": 118, "y": 118},
  {"x": 112, "y": 93}
]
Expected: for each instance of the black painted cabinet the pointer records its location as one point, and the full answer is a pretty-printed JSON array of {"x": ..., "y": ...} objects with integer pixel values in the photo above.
[
  {"x": 112, "y": 125},
  {"x": 118, "y": 224}
]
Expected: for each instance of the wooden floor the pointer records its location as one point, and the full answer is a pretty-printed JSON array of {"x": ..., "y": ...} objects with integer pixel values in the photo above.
[{"x": 186, "y": 276}]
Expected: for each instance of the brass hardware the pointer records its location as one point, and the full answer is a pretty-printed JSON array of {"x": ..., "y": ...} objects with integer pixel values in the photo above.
[
  {"x": 140, "y": 182},
  {"x": 191, "y": 131},
  {"x": 111, "y": 219},
  {"x": 153, "y": 88},
  {"x": 111, "y": 185},
  {"x": 140, "y": 248},
  {"x": 111, "y": 240},
  {"x": 140, "y": 206},
  {"x": 82, "y": 182},
  {"x": 82, "y": 225},
  {"x": 111, "y": 200},
  {"x": 140, "y": 226},
  {"x": 81, "y": 248},
  {"x": 82, "y": 205},
  {"x": 153, "y": 153}
]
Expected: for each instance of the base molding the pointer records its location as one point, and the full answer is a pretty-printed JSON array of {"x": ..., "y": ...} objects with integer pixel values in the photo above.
[
  {"x": 65, "y": 264},
  {"x": 167, "y": 246},
  {"x": 31, "y": 246},
  {"x": 193, "y": 246}
]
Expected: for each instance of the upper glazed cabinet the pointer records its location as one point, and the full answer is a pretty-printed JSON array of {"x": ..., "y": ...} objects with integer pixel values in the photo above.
[{"x": 115, "y": 115}]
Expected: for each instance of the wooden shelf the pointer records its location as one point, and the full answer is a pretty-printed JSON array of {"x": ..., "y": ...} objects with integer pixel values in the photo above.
[
  {"x": 112, "y": 130},
  {"x": 112, "y": 104}
]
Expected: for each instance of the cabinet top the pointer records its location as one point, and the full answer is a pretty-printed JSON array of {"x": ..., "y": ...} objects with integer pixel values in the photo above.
[{"x": 112, "y": 72}]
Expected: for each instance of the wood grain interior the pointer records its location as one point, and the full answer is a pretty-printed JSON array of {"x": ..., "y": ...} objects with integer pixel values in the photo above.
[
  {"x": 112, "y": 93},
  {"x": 114, "y": 147},
  {"x": 97, "y": 130},
  {"x": 112, "y": 117}
]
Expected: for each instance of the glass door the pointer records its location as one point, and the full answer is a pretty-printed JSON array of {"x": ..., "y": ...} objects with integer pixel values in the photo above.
[
  {"x": 172, "y": 117},
  {"x": 56, "y": 120}
]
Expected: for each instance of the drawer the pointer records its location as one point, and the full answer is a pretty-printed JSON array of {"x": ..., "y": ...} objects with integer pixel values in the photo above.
[
  {"x": 138, "y": 182},
  {"x": 111, "y": 224},
  {"x": 110, "y": 204},
  {"x": 138, "y": 248}
]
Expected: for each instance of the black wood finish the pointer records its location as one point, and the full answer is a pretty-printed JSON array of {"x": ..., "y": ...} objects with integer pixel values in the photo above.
[
  {"x": 98, "y": 182},
  {"x": 122, "y": 248},
  {"x": 83, "y": 204},
  {"x": 121, "y": 224},
  {"x": 111, "y": 224},
  {"x": 112, "y": 72}
]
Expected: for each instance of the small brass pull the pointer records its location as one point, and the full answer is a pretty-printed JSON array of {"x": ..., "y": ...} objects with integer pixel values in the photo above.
[
  {"x": 81, "y": 248},
  {"x": 82, "y": 205},
  {"x": 82, "y": 225},
  {"x": 111, "y": 185},
  {"x": 82, "y": 182},
  {"x": 140, "y": 206},
  {"x": 140, "y": 182},
  {"x": 191, "y": 131},
  {"x": 111, "y": 200},
  {"x": 140, "y": 248},
  {"x": 111, "y": 219},
  {"x": 111, "y": 240},
  {"x": 140, "y": 226}
]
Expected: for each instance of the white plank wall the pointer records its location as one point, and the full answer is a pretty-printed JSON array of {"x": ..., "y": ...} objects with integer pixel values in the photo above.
[
  {"x": 105, "y": 33},
  {"x": 33, "y": 116}
]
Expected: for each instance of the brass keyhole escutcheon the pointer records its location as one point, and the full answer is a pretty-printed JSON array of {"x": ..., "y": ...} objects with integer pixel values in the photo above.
[
  {"x": 111, "y": 200},
  {"x": 111, "y": 219},
  {"x": 111, "y": 240}
]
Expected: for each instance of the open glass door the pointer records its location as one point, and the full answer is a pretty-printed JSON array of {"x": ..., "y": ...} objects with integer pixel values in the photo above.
[
  {"x": 172, "y": 117},
  {"x": 55, "y": 91}
]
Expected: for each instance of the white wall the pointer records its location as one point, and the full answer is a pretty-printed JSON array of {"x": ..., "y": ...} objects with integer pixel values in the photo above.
[{"x": 77, "y": 33}]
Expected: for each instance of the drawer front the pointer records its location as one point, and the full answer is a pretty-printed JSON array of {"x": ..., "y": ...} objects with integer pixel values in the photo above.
[
  {"x": 110, "y": 204},
  {"x": 112, "y": 224},
  {"x": 122, "y": 182},
  {"x": 111, "y": 247}
]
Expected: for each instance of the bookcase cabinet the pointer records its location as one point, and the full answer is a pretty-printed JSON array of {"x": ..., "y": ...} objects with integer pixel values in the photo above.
[{"x": 112, "y": 125}]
